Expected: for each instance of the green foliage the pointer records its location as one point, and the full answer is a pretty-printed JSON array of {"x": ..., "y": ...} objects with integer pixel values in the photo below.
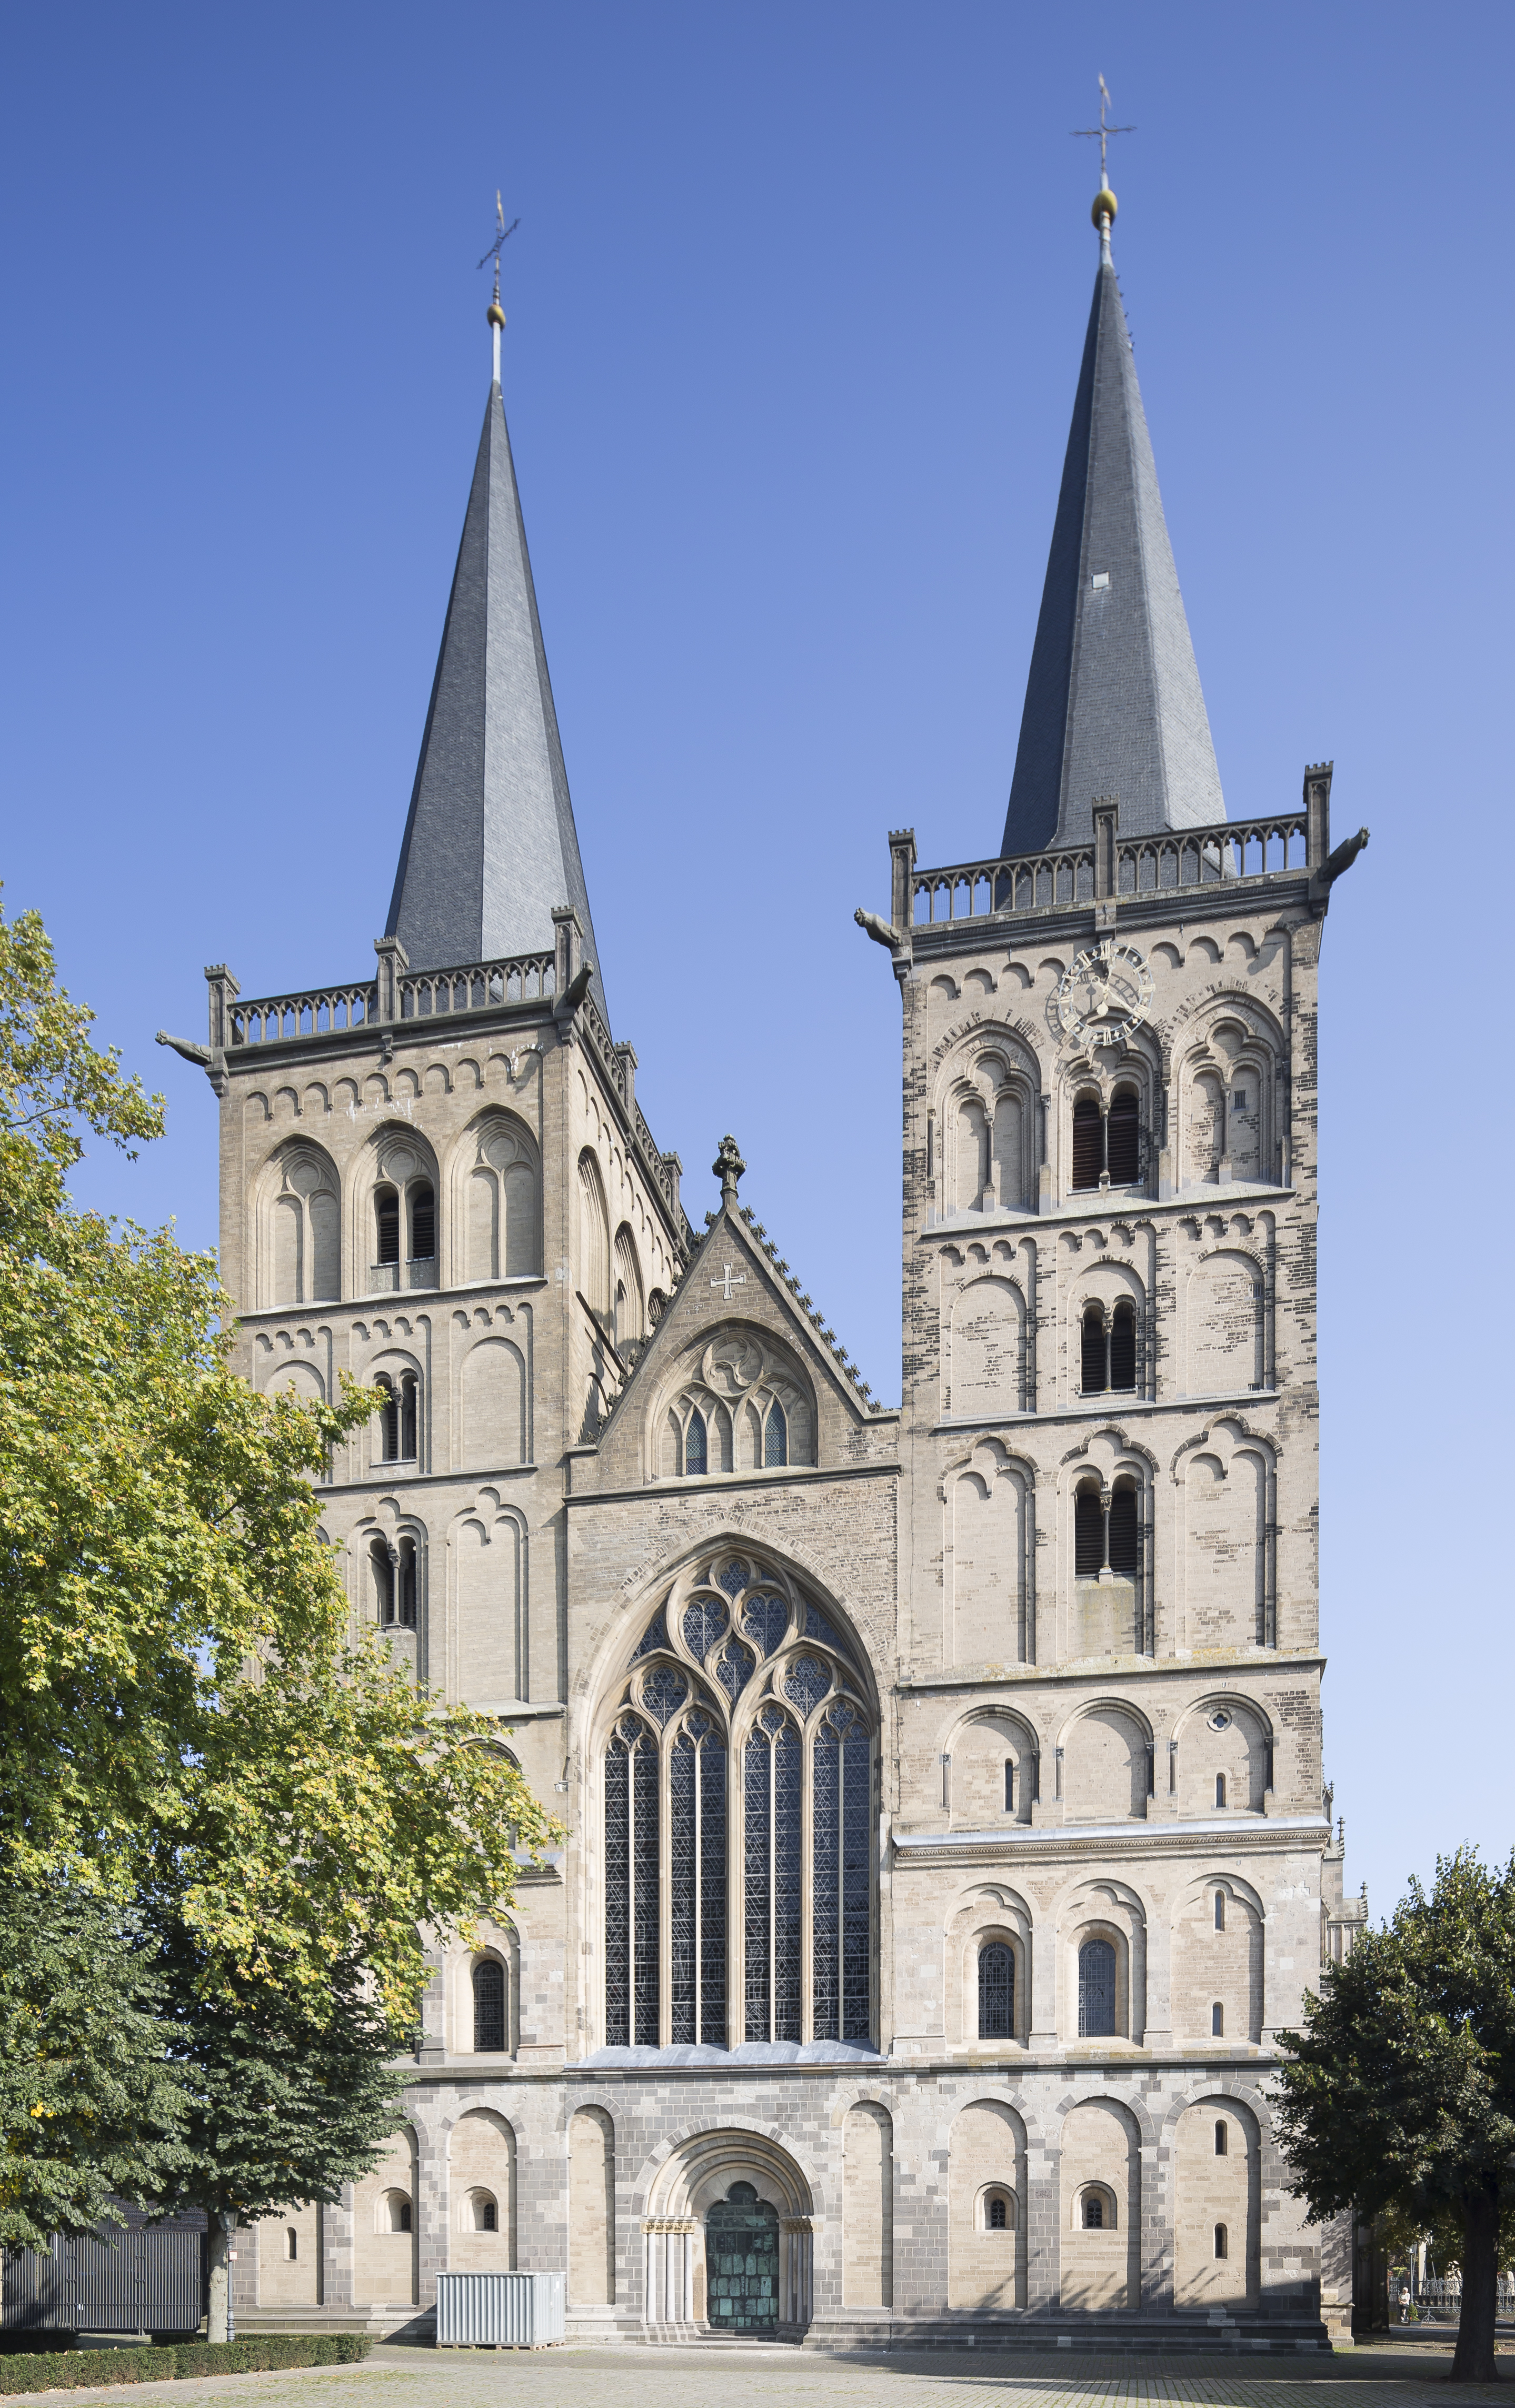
[
  {"x": 261, "y": 2353},
  {"x": 190, "y": 1717},
  {"x": 89, "y": 2104},
  {"x": 1399, "y": 2095},
  {"x": 279, "y": 2109},
  {"x": 196, "y": 1731}
]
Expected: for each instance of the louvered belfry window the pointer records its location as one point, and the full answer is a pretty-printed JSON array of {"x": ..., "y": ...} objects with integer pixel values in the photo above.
[
  {"x": 1088, "y": 1535},
  {"x": 387, "y": 1224},
  {"x": 1124, "y": 1347},
  {"x": 1087, "y": 1142},
  {"x": 1125, "y": 1534},
  {"x": 742, "y": 1711},
  {"x": 422, "y": 1222},
  {"x": 1092, "y": 1351},
  {"x": 1123, "y": 1144}
]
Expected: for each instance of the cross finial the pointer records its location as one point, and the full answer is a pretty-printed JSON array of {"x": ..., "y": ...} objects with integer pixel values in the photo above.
[
  {"x": 728, "y": 1167},
  {"x": 1104, "y": 209},
  {"x": 502, "y": 236}
]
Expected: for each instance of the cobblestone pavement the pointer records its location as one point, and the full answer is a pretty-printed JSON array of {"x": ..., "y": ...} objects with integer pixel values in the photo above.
[{"x": 1379, "y": 2376}]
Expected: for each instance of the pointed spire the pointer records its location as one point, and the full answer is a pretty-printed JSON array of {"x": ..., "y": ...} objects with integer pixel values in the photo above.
[
  {"x": 490, "y": 845},
  {"x": 1114, "y": 702}
]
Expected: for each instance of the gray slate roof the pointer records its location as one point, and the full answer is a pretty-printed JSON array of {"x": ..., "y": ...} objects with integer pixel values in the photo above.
[
  {"x": 490, "y": 845},
  {"x": 1113, "y": 701}
]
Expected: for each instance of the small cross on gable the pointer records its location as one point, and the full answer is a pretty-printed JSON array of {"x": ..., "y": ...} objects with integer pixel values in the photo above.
[{"x": 728, "y": 1281}]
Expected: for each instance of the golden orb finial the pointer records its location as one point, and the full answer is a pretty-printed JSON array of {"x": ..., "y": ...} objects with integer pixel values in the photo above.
[
  {"x": 494, "y": 314},
  {"x": 1105, "y": 206}
]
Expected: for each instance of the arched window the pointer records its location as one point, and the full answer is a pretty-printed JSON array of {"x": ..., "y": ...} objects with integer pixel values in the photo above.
[
  {"x": 694, "y": 1443},
  {"x": 727, "y": 1768},
  {"x": 1220, "y": 1789},
  {"x": 486, "y": 2212},
  {"x": 1221, "y": 2144},
  {"x": 406, "y": 1584},
  {"x": 774, "y": 1438},
  {"x": 1219, "y": 1910},
  {"x": 389, "y": 1419},
  {"x": 489, "y": 2008},
  {"x": 1222, "y": 2241},
  {"x": 1123, "y": 1346},
  {"x": 396, "y": 2212},
  {"x": 409, "y": 1396},
  {"x": 629, "y": 1309},
  {"x": 1009, "y": 1784},
  {"x": 996, "y": 1991},
  {"x": 1088, "y": 1141},
  {"x": 1096, "y": 1990},
  {"x": 386, "y": 1225},
  {"x": 1123, "y": 1142},
  {"x": 997, "y": 2216},
  {"x": 1217, "y": 2021},
  {"x": 421, "y": 1198},
  {"x": 1125, "y": 1530},
  {"x": 1088, "y": 1534},
  {"x": 1093, "y": 2211},
  {"x": 384, "y": 1583},
  {"x": 304, "y": 1244},
  {"x": 1093, "y": 1354},
  {"x": 291, "y": 2242}
]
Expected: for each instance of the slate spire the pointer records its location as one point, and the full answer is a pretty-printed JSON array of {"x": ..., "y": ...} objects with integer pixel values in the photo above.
[
  {"x": 490, "y": 845},
  {"x": 1113, "y": 701}
]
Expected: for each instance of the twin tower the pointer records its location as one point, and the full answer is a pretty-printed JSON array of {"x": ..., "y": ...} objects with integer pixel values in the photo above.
[{"x": 943, "y": 1782}]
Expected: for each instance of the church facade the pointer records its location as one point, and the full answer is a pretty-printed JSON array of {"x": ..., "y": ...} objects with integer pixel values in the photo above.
[{"x": 947, "y": 1837}]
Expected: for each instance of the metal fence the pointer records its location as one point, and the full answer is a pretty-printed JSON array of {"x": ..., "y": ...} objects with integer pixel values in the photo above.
[
  {"x": 150, "y": 2280},
  {"x": 500, "y": 2311}
]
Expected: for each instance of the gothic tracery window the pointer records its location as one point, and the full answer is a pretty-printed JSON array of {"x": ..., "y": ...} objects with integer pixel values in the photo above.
[{"x": 742, "y": 1744}]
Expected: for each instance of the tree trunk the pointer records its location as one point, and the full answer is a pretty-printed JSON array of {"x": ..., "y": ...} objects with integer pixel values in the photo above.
[
  {"x": 221, "y": 2222},
  {"x": 1474, "y": 2360}
]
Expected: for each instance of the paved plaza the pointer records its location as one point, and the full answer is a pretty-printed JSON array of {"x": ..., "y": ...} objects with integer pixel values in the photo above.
[{"x": 1380, "y": 2375}]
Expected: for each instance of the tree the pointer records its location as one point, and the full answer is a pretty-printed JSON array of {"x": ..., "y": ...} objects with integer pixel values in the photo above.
[
  {"x": 1399, "y": 2093},
  {"x": 280, "y": 2110},
  {"x": 191, "y": 1713},
  {"x": 197, "y": 1727},
  {"x": 91, "y": 2108}
]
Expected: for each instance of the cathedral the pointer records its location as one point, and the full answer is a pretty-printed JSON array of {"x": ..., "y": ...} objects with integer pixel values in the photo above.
[{"x": 946, "y": 1839}]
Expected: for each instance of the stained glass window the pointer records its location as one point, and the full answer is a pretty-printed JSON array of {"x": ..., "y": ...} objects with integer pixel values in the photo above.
[
  {"x": 645, "y": 1853},
  {"x": 663, "y": 1691},
  {"x": 489, "y": 2006},
  {"x": 698, "y": 1884},
  {"x": 767, "y": 1620},
  {"x": 654, "y": 1635},
  {"x": 774, "y": 1438},
  {"x": 807, "y": 1867},
  {"x": 703, "y": 1622},
  {"x": 806, "y": 1681},
  {"x": 1096, "y": 1990},
  {"x": 734, "y": 1669},
  {"x": 996, "y": 1992},
  {"x": 840, "y": 1877},
  {"x": 617, "y": 1890},
  {"x": 694, "y": 1443}
]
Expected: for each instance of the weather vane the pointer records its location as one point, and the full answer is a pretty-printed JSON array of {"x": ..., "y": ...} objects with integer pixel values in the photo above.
[{"x": 1100, "y": 133}]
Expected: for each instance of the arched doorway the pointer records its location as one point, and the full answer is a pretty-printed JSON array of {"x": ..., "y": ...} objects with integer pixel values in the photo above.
[{"x": 741, "y": 2258}]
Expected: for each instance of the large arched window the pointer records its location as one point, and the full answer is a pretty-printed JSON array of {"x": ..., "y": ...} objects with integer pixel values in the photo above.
[
  {"x": 399, "y": 1415},
  {"x": 996, "y": 1991},
  {"x": 1096, "y": 1990},
  {"x": 742, "y": 1743}
]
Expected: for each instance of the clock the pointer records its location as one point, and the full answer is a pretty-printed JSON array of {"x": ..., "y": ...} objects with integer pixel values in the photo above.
[{"x": 1106, "y": 995}]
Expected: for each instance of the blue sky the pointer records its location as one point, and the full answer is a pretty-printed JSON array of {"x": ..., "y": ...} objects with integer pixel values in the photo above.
[{"x": 795, "y": 315}]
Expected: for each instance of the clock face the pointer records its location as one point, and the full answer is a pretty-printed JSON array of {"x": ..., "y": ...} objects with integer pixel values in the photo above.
[{"x": 1105, "y": 996}]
